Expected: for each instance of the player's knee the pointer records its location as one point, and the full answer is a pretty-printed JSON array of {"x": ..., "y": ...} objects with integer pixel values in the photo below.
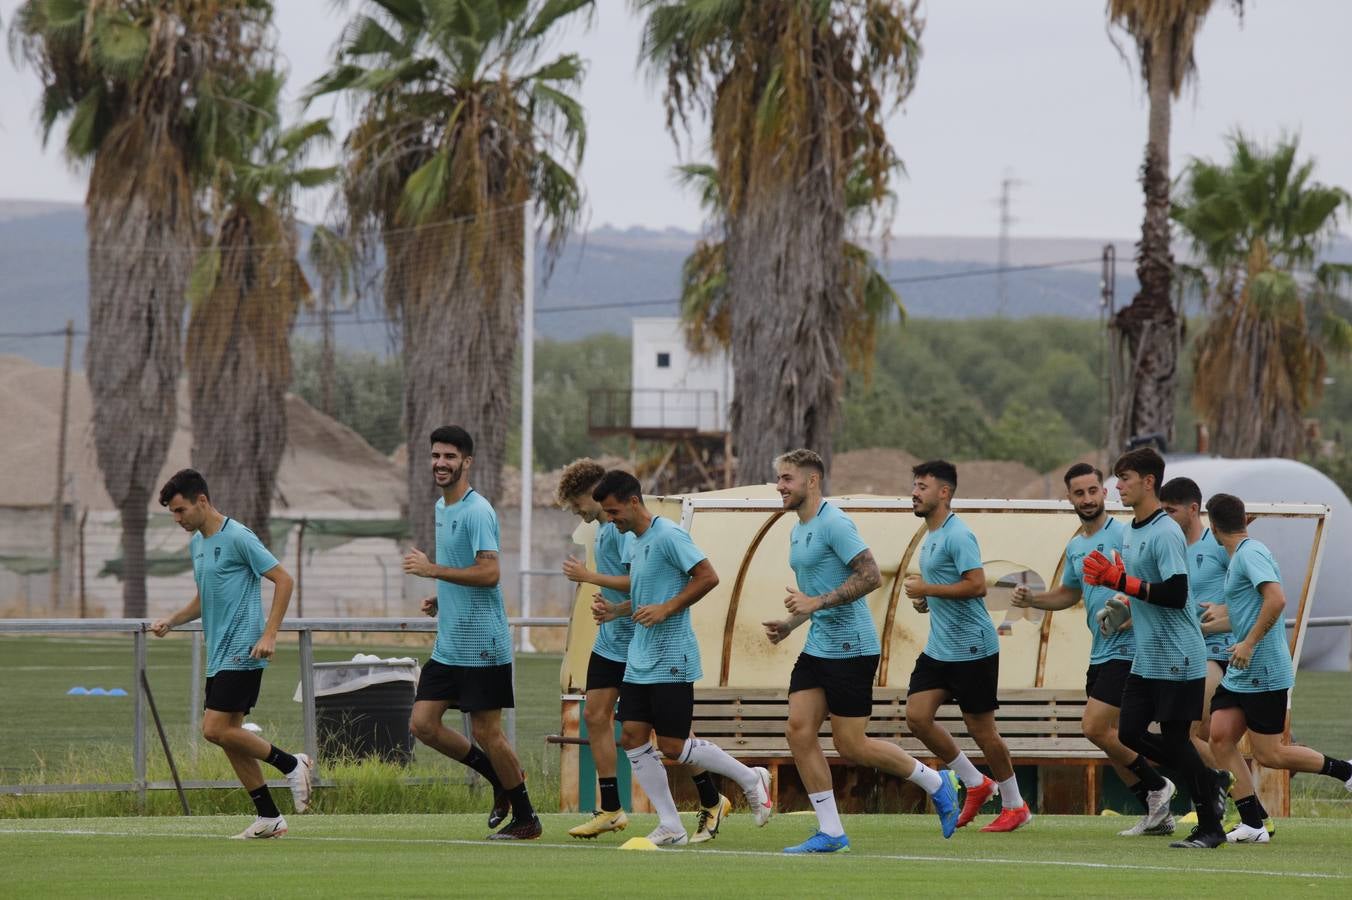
[
  {"x": 918, "y": 722},
  {"x": 486, "y": 733},
  {"x": 1097, "y": 730},
  {"x": 424, "y": 728},
  {"x": 1267, "y": 755},
  {"x": 671, "y": 747},
  {"x": 214, "y": 732},
  {"x": 850, "y": 746},
  {"x": 598, "y": 718},
  {"x": 799, "y": 731}
]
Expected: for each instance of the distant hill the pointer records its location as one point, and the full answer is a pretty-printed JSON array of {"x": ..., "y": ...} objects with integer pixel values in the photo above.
[{"x": 627, "y": 272}]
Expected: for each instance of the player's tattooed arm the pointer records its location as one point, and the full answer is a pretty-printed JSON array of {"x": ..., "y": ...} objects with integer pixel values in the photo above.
[{"x": 864, "y": 578}]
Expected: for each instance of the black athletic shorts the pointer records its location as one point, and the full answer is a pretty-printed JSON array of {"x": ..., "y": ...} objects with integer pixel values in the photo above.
[
  {"x": 668, "y": 706},
  {"x": 1104, "y": 681},
  {"x": 233, "y": 690},
  {"x": 848, "y": 682},
  {"x": 1158, "y": 700},
  {"x": 973, "y": 683},
  {"x": 467, "y": 688},
  {"x": 1223, "y": 663},
  {"x": 603, "y": 673},
  {"x": 1264, "y": 711}
]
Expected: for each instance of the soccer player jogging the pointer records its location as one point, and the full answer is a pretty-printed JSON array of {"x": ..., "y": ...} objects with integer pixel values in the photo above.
[
  {"x": 1110, "y": 655},
  {"x": 1168, "y": 673},
  {"x": 961, "y": 660},
  {"x": 1252, "y": 696},
  {"x": 471, "y": 664},
  {"x": 835, "y": 570},
  {"x": 667, "y": 575},
  {"x": 228, "y": 563},
  {"x": 1207, "y": 563}
]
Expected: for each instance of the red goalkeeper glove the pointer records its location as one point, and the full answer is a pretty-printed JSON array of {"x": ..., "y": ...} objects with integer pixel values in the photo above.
[{"x": 1098, "y": 570}]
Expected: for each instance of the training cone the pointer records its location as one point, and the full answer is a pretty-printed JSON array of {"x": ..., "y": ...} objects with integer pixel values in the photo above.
[
  {"x": 1110, "y": 812},
  {"x": 1189, "y": 819},
  {"x": 638, "y": 843},
  {"x": 77, "y": 691},
  {"x": 117, "y": 692},
  {"x": 97, "y": 692}
]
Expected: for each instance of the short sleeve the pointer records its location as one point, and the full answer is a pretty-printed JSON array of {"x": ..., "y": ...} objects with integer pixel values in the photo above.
[
  {"x": 254, "y": 554},
  {"x": 681, "y": 550},
  {"x": 483, "y": 529},
  {"x": 627, "y": 541},
  {"x": 1070, "y": 577},
  {"x": 1171, "y": 553},
  {"x": 1259, "y": 569},
  {"x": 965, "y": 551},
  {"x": 844, "y": 540}
]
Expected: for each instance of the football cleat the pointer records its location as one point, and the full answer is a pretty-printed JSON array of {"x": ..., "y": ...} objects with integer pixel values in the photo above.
[{"x": 709, "y": 820}]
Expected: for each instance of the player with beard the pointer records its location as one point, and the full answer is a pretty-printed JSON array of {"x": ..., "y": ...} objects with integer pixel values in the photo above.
[
  {"x": 835, "y": 571},
  {"x": 1110, "y": 655},
  {"x": 961, "y": 660},
  {"x": 471, "y": 664}
]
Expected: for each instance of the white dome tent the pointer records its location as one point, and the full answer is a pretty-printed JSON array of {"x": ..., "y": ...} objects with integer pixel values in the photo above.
[{"x": 1288, "y": 481}]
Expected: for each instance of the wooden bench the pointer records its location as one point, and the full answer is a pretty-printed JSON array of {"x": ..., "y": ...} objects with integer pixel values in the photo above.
[{"x": 1041, "y": 727}]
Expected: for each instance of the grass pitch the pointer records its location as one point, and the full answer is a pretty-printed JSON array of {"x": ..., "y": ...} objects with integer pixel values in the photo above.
[{"x": 423, "y": 855}]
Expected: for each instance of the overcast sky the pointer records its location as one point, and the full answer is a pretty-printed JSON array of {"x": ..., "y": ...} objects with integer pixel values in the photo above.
[{"x": 1034, "y": 88}]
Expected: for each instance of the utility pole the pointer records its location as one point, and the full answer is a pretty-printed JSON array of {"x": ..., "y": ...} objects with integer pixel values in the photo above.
[
  {"x": 58, "y": 498},
  {"x": 1007, "y": 184}
]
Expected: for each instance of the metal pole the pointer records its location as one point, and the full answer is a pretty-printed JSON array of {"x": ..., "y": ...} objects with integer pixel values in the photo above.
[
  {"x": 300, "y": 569},
  {"x": 138, "y": 746},
  {"x": 195, "y": 692},
  {"x": 60, "y": 493},
  {"x": 527, "y": 410},
  {"x": 307, "y": 695}
]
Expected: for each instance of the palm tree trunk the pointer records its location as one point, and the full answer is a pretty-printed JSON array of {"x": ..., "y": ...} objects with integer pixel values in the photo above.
[
  {"x": 1150, "y": 328},
  {"x": 326, "y": 353},
  {"x": 460, "y": 327},
  {"x": 140, "y": 242},
  {"x": 787, "y": 324}
]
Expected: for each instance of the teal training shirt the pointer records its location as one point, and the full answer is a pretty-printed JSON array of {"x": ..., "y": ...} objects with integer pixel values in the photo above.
[
  {"x": 1207, "y": 562},
  {"x": 1269, "y": 668},
  {"x": 659, "y": 570},
  {"x": 228, "y": 568},
  {"x": 819, "y": 554},
  {"x": 613, "y": 549},
  {"x": 1169, "y": 645},
  {"x": 471, "y": 621},
  {"x": 959, "y": 629},
  {"x": 1121, "y": 645}
]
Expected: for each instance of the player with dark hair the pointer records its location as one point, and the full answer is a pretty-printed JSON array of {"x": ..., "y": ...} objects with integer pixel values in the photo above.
[
  {"x": 1207, "y": 562},
  {"x": 961, "y": 660},
  {"x": 1252, "y": 697},
  {"x": 1168, "y": 673},
  {"x": 667, "y": 575},
  {"x": 835, "y": 571},
  {"x": 471, "y": 664},
  {"x": 1110, "y": 655},
  {"x": 228, "y": 563}
]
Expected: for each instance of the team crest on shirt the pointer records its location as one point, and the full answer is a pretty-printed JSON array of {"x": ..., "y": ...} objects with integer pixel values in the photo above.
[
  {"x": 1200, "y": 557},
  {"x": 455, "y": 524},
  {"x": 808, "y": 539},
  {"x": 645, "y": 552},
  {"x": 218, "y": 554},
  {"x": 1100, "y": 548}
]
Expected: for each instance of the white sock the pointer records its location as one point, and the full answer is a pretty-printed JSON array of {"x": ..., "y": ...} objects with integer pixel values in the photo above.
[
  {"x": 713, "y": 758},
  {"x": 927, "y": 778},
  {"x": 966, "y": 771},
  {"x": 651, "y": 775},
  {"x": 828, "y": 819},
  {"x": 1010, "y": 798}
]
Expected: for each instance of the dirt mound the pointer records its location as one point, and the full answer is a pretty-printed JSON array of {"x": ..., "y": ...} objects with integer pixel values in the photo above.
[
  {"x": 326, "y": 466},
  {"x": 888, "y": 472}
]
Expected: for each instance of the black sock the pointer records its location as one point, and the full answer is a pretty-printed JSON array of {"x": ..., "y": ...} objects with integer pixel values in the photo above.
[
  {"x": 521, "y": 808},
  {"x": 1340, "y": 769},
  {"x": 1251, "y": 812},
  {"x": 1142, "y": 769},
  {"x": 478, "y": 760},
  {"x": 262, "y": 800},
  {"x": 708, "y": 791},
  {"x": 283, "y": 761},
  {"x": 610, "y": 794},
  {"x": 1139, "y": 789}
]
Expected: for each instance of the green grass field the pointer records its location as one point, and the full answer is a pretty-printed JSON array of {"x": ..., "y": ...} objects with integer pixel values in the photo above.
[{"x": 424, "y": 855}]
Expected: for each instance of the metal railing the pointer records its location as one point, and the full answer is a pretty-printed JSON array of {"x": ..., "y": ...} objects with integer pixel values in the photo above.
[{"x": 305, "y": 629}]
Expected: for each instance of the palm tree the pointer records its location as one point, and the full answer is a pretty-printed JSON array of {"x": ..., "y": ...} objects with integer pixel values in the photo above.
[
  {"x": 246, "y": 290},
  {"x": 706, "y": 311},
  {"x": 460, "y": 125},
  {"x": 796, "y": 93},
  {"x": 333, "y": 260},
  {"x": 1256, "y": 226},
  {"x": 1148, "y": 333},
  {"x": 142, "y": 87}
]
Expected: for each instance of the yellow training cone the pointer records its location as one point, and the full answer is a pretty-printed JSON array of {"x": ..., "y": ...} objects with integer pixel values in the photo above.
[
  {"x": 1110, "y": 812},
  {"x": 1189, "y": 819},
  {"x": 638, "y": 843}
]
